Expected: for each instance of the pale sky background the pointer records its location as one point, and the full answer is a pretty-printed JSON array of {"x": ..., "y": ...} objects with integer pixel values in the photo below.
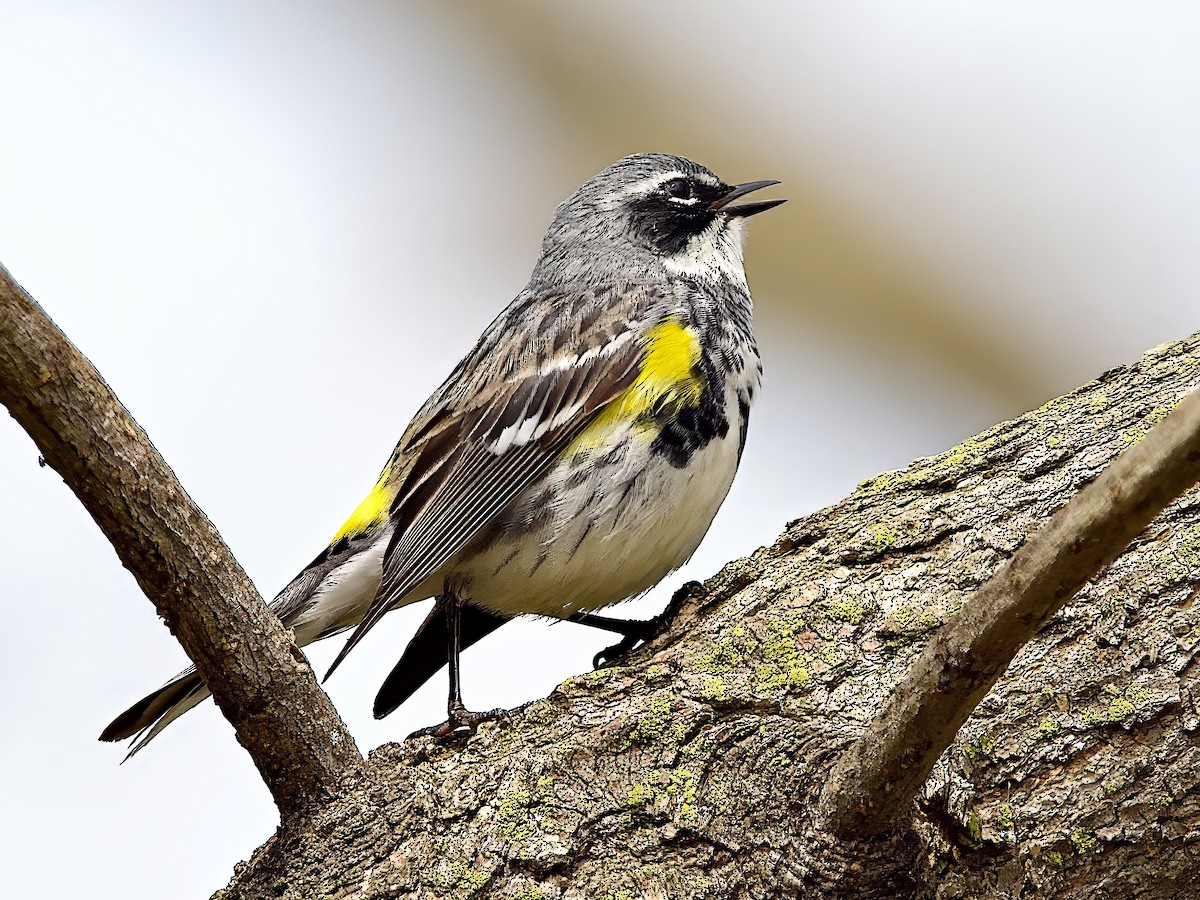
[{"x": 275, "y": 227}]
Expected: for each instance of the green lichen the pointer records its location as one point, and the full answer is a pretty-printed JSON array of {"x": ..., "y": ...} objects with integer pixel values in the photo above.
[
  {"x": 851, "y": 611},
  {"x": 969, "y": 451},
  {"x": 683, "y": 789},
  {"x": 882, "y": 482},
  {"x": 730, "y": 652},
  {"x": 1157, "y": 414},
  {"x": 972, "y": 749},
  {"x": 1123, "y": 704},
  {"x": 1133, "y": 434},
  {"x": 885, "y": 536},
  {"x": 786, "y": 668},
  {"x": 714, "y": 688},
  {"x": 783, "y": 677},
  {"x": 907, "y": 619},
  {"x": 652, "y": 725},
  {"x": 1098, "y": 404},
  {"x": 1054, "y": 858},
  {"x": 1137, "y": 694},
  {"x": 641, "y": 795},
  {"x": 974, "y": 826},
  {"x": 1004, "y": 817},
  {"x": 832, "y": 653},
  {"x": 463, "y": 880},
  {"x": 1162, "y": 801},
  {"x": 717, "y": 794},
  {"x": 1186, "y": 555},
  {"x": 1084, "y": 841},
  {"x": 1048, "y": 728},
  {"x": 513, "y": 814}
]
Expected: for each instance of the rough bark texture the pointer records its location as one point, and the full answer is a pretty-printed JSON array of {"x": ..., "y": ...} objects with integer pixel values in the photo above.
[
  {"x": 878, "y": 777},
  {"x": 693, "y": 770},
  {"x": 262, "y": 682}
]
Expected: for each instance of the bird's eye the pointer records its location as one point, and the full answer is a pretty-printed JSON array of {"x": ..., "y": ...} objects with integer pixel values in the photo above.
[{"x": 678, "y": 188}]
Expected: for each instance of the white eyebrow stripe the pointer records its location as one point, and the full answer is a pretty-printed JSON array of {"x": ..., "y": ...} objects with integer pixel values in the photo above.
[
  {"x": 649, "y": 183},
  {"x": 645, "y": 185}
]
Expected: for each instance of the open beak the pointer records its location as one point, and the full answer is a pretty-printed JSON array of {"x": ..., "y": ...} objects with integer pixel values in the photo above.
[{"x": 721, "y": 204}]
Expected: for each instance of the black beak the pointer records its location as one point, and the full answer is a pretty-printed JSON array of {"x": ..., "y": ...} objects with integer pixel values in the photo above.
[{"x": 721, "y": 204}]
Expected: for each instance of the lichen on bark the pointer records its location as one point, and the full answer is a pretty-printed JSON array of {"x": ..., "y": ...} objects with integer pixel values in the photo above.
[{"x": 691, "y": 770}]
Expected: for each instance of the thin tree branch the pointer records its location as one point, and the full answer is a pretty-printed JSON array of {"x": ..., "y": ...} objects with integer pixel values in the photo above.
[
  {"x": 876, "y": 780},
  {"x": 262, "y": 683}
]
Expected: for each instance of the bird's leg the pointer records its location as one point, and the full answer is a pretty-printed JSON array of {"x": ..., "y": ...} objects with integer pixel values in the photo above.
[
  {"x": 634, "y": 632},
  {"x": 457, "y": 715}
]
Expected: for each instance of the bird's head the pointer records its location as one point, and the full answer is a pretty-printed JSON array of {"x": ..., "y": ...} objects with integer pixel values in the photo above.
[{"x": 648, "y": 212}]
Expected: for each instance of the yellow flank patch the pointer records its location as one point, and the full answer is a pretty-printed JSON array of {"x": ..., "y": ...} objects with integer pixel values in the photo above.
[
  {"x": 371, "y": 511},
  {"x": 668, "y": 379}
]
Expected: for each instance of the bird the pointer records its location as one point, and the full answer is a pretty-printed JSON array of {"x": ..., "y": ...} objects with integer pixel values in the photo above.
[{"x": 575, "y": 457}]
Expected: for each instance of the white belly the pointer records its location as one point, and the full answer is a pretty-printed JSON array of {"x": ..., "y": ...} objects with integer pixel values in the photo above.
[{"x": 613, "y": 536}]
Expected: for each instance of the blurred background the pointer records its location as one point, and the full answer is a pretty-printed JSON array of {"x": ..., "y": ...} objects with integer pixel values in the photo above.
[{"x": 275, "y": 227}]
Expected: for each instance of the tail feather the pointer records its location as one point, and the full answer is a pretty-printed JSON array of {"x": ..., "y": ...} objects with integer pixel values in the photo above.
[
  {"x": 154, "y": 712},
  {"x": 298, "y": 606},
  {"x": 426, "y": 653}
]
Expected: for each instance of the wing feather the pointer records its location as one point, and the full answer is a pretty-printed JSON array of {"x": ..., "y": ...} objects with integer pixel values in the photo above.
[{"x": 506, "y": 414}]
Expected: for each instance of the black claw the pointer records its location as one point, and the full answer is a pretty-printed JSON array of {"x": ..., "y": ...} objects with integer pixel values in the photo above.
[
  {"x": 639, "y": 633},
  {"x": 619, "y": 650}
]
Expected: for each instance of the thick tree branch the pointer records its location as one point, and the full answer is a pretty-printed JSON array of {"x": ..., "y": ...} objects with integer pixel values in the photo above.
[
  {"x": 880, "y": 774},
  {"x": 259, "y": 679},
  {"x": 696, "y": 767}
]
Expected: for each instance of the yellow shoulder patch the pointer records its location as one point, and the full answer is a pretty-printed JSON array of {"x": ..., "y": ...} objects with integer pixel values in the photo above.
[
  {"x": 668, "y": 377},
  {"x": 672, "y": 351}
]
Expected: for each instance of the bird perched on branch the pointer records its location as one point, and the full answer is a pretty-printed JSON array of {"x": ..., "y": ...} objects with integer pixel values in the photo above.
[{"x": 574, "y": 458}]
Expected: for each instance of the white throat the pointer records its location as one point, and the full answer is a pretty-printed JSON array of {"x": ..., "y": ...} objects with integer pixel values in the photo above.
[{"x": 715, "y": 254}]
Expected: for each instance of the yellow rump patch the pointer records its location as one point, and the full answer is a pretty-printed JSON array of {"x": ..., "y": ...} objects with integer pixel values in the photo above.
[
  {"x": 372, "y": 511},
  {"x": 667, "y": 378}
]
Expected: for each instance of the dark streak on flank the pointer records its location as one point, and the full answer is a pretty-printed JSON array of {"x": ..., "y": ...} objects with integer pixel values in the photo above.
[
  {"x": 743, "y": 424},
  {"x": 684, "y": 430}
]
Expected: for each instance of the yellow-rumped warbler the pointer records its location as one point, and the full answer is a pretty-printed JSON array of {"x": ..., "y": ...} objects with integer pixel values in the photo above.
[{"x": 575, "y": 457}]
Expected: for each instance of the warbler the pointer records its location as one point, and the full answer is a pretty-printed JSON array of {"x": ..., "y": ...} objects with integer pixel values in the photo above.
[{"x": 575, "y": 457}]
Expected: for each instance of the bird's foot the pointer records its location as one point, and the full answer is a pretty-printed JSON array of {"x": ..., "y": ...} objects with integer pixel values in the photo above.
[
  {"x": 459, "y": 721},
  {"x": 638, "y": 632}
]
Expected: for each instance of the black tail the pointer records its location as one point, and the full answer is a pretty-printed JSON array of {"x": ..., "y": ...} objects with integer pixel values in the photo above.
[
  {"x": 426, "y": 653},
  {"x": 143, "y": 715}
]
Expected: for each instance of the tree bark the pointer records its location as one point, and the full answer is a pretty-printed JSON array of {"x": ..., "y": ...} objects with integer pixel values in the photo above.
[
  {"x": 878, "y": 777},
  {"x": 259, "y": 679},
  {"x": 696, "y": 768}
]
